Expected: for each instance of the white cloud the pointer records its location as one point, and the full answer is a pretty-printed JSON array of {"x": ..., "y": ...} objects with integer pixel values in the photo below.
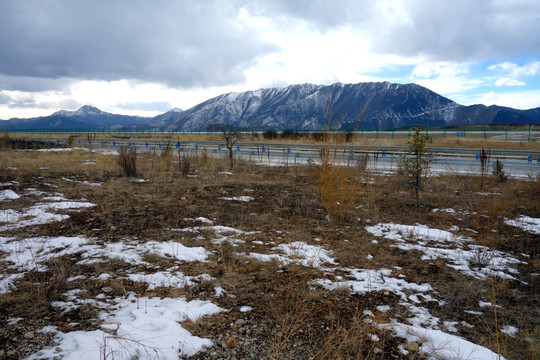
[
  {"x": 446, "y": 78},
  {"x": 516, "y": 71},
  {"x": 509, "y": 82},
  {"x": 527, "y": 99},
  {"x": 439, "y": 69}
]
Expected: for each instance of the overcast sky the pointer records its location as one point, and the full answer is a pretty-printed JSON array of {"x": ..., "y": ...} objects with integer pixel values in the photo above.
[{"x": 146, "y": 57}]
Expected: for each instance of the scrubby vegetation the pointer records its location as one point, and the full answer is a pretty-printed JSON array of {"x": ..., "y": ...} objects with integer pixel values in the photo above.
[{"x": 307, "y": 262}]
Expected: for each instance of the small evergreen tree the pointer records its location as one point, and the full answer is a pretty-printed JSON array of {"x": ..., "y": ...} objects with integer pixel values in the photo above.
[
  {"x": 414, "y": 163},
  {"x": 499, "y": 172}
]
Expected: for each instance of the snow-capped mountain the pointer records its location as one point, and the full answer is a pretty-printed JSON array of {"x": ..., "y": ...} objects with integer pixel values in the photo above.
[
  {"x": 365, "y": 106},
  {"x": 340, "y": 106},
  {"x": 85, "y": 118}
]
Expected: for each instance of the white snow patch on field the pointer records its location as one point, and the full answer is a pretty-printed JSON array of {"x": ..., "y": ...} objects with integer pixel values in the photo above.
[
  {"x": 419, "y": 232},
  {"x": 479, "y": 262},
  {"x": 146, "y": 328},
  {"x": 168, "y": 279},
  {"x": 364, "y": 281},
  {"x": 525, "y": 223},
  {"x": 436, "y": 344},
  {"x": 238, "y": 198},
  {"x": 299, "y": 252},
  {"x": 8, "y": 195},
  {"x": 82, "y": 182},
  {"x": 29, "y": 254},
  {"x": 509, "y": 330},
  {"x": 38, "y": 214}
]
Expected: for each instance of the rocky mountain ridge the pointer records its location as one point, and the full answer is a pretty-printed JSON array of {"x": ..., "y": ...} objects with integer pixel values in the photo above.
[{"x": 367, "y": 106}]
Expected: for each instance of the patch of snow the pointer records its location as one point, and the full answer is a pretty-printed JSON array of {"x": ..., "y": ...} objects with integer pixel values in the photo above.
[
  {"x": 451, "y": 326},
  {"x": 82, "y": 182},
  {"x": 12, "y": 321},
  {"x": 9, "y": 183},
  {"x": 238, "y": 198},
  {"x": 145, "y": 328},
  {"x": 436, "y": 344},
  {"x": 479, "y": 262},
  {"x": 38, "y": 214},
  {"x": 245, "y": 308},
  {"x": 73, "y": 278},
  {"x": 8, "y": 195},
  {"x": 6, "y": 282},
  {"x": 525, "y": 223},
  {"x": 167, "y": 279},
  {"x": 200, "y": 219},
  {"x": 509, "y": 330},
  {"x": 365, "y": 281},
  {"x": 219, "y": 291},
  {"x": 401, "y": 232},
  {"x": 299, "y": 252},
  {"x": 472, "y": 312}
]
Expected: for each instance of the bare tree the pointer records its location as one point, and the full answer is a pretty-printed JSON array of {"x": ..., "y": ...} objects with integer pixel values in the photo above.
[{"x": 231, "y": 134}]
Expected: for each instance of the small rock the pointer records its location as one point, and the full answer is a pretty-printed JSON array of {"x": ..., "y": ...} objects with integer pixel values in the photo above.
[
  {"x": 58, "y": 349},
  {"x": 11, "y": 353},
  {"x": 29, "y": 335},
  {"x": 240, "y": 322},
  {"x": 412, "y": 347},
  {"x": 107, "y": 289},
  {"x": 2, "y": 352},
  {"x": 231, "y": 342},
  {"x": 467, "y": 325},
  {"x": 377, "y": 350}
]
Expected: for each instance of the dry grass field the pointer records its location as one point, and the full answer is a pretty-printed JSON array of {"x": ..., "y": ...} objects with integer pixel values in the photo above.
[{"x": 191, "y": 259}]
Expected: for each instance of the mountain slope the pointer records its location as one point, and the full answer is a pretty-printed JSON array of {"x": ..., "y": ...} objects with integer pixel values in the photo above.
[
  {"x": 364, "y": 106},
  {"x": 341, "y": 106},
  {"x": 87, "y": 117}
]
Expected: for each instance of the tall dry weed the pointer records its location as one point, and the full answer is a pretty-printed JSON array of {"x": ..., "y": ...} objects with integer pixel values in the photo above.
[
  {"x": 127, "y": 159},
  {"x": 338, "y": 185}
]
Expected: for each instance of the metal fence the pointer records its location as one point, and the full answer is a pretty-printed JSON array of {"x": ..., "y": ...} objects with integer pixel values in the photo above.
[{"x": 505, "y": 133}]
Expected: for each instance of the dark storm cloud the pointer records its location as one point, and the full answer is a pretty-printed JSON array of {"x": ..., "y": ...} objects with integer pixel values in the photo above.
[
  {"x": 321, "y": 13},
  {"x": 459, "y": 30},
  {"x": 181, "y": 43},
  {"x": 464, "y": 30},
  {"x": 32, "y": 84}
]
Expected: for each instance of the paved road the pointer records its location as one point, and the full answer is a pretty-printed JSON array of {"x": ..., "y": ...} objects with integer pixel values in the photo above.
[{"x": 519, "y": 163}]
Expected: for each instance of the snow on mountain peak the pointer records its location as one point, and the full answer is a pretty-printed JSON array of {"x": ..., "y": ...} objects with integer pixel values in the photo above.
[{"x": 88, "y": 110}]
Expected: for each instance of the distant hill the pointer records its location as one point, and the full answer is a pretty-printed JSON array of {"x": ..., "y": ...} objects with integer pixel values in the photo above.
[
  {"x": 305, "y": 107},
  {"x": 87, "y": 117}
]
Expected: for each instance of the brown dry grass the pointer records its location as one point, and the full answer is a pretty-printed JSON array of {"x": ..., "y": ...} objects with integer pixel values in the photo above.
[{"x": 296, "y": 320}]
